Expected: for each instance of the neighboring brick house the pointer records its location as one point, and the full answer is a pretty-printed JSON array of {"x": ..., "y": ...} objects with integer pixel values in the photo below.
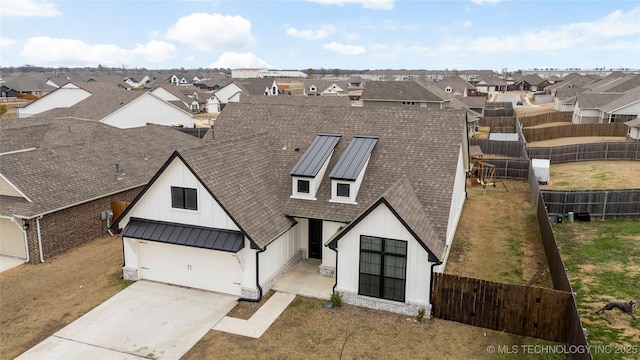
[{"x": 58, "y": 179}]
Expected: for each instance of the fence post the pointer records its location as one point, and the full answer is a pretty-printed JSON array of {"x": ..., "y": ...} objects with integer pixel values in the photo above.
[
  {"x": 606, "y": 152},
  {"x": 604, "y": 206}
]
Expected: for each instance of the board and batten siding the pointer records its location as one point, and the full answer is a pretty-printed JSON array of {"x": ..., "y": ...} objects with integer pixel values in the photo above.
[
  {"x": 155, "y": 204},
  {"x": 455, "y": 210},
  {"x": 280, "y": 256},
  {"x": 382, "y": 223},
  {"x": 148, "y": 109}
]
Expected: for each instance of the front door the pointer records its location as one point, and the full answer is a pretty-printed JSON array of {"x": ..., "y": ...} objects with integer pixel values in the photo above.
[{"x": 315, "y": 239}]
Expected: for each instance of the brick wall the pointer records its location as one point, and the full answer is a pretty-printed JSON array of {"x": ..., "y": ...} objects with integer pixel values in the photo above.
[{"x": 68, "y": 228}]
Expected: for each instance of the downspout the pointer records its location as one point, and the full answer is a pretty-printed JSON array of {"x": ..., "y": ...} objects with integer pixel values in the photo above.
[
  {"x": 431, "y": 286},
  {"x": 257, "y": 279},
  {"x": 39, "y": 238},
  {"x": 333, "y": 289}
]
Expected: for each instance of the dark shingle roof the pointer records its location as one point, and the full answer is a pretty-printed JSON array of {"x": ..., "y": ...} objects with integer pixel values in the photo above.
[
  {"x": 398, "y": 91},
  {"x": 248, "y": 164},
  {"x": 70, "y": 168}
]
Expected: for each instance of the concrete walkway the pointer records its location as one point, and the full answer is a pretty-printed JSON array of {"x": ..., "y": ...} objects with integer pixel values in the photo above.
[
  {"x": 305, "y": 280},
  {"x": 259, "y": 322}
]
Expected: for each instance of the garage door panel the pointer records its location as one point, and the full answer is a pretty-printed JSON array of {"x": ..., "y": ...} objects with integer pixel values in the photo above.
[
  {"x": 188, "y": 266},
  {"x": 11, "y": 240}
]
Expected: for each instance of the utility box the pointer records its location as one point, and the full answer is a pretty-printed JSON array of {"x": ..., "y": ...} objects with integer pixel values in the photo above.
[{"x": 541, "y": 170}]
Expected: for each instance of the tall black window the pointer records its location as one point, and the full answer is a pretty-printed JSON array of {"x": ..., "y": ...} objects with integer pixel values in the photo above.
[
  {"x": 343, "y": 190},
  {"x": 303, "y": 186},
  {"x": 184, "y": 198},
  {"x": 383, "y": 268}
]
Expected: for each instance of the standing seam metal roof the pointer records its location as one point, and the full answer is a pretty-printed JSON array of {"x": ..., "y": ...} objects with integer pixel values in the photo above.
[
  {"x": 316, "y": 155},
  {"x": 181, "y": 234},
  {"x": 354, "y": 158}
]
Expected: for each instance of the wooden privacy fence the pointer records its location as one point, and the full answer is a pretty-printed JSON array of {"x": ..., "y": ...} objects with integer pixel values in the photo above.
[
  {"x": 575, "y": 130},
  {"x": 118, "y": 208},
  {"x": 575, "y": 333},
  {"x": 521, "y": 310},
  {"x": 510, "y": 169},
  {"x": 512, "y": 149},
  {"x": 498, "y": 121},
  {"x": 528, "y": 121},
  {"x": 599, "y": 203},
  {"x": 587, "y": 152}
]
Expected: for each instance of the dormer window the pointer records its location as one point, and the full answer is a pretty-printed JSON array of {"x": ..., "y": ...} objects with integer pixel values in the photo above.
[
  {"x": 343, "y": 190},
  {"x": 303, "y": 186},
  {"x": 348, "y": 173},
  {"x": 308, "y": 172},
  {"x": 313, "y": 88}
]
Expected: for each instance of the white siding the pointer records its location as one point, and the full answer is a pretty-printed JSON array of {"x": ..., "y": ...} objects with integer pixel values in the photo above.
[
  {"x": 382, "y": 223},
  {"x": 148, "y": 109},
  {"x": 278, "y": 254},
  {"x": 228, "y": 93},
  {"x": 455, "y": 211},
  {"x": 8, "y": 189},
  {"x": 60, "y": 98},
  {"x": 156, "y": 202}
]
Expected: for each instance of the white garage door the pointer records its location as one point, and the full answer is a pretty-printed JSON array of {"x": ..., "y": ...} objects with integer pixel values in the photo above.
[
  {"x": 11, "y": 240},
  {"x": 199, "y": 268}
]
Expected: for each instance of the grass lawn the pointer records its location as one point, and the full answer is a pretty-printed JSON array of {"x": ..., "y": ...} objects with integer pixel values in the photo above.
[
  {"x": 603, "y": 263},
  {"x": 38, "y": 300},
  {"x": 308, "y": 330}
]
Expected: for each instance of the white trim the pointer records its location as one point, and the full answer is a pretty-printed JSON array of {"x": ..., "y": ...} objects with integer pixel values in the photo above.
[
  {"x": 15, "y": 188},
  {"x": 17, "y": 151}
]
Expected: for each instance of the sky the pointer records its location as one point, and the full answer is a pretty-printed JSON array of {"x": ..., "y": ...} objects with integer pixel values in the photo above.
[{"x": 302, "y": 34}]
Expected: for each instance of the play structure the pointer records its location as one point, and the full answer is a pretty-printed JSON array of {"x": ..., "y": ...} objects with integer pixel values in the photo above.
[{"x": 482, "y": 172}]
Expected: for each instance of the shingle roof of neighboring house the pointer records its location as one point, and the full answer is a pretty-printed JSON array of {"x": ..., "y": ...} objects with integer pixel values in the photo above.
[
  {"x": 296, "y": 100},
  {"x": 622, "y": 85},
  {"x": 99, "y": 105},
  {"x": 633, "y": 123},
  {"x": 532, "y": 79},
  {"x": 398, "y": 91},
  {"x": 457, "y": 84},
  {"x": 257, "y": 146},
  {"x": 58, "y": 174},
  {"x": 568, "y": 93},
  {"x": 29, "y": 83},
  {"x": 594, "y": 101},
  {"x": 622, "y": 101},
  {"x": 255, "y": 86}
]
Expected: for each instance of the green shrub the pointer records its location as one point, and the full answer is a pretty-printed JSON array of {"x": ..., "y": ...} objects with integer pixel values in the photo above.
[
  {"x": 336, "y": 299},
  {"x": 421, "y": 313}
]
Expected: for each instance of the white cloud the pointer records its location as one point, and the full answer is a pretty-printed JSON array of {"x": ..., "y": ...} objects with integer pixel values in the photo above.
[
  {"x": 239, "y": 60},
  {"x": 72, "y": 52},
  {"x": 212, "y": 32},
  {"x": 367, "y": 4},
  {"x": 480, "y": 2},
  {"x": 320, "y": 33},
  {"x": 597, "y": 33},
  {"x": 345, "y": 49},
  {"x": 6, "y": 42},
  {"x": 155, "y": 51},
  {"x": 18, "y": 8}
]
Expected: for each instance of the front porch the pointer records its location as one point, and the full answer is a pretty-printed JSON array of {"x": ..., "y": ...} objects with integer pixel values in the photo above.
[{"x": 304, "y": 279}]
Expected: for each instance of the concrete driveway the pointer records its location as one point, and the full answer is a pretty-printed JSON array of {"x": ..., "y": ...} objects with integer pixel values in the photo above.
[{"x": 146, "y": 320}]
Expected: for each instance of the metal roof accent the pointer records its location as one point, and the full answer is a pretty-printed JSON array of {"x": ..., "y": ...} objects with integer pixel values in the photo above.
[
  {"x": 316, "y": 155},
  {"x": 187, "y": 235},
  {"x": 354, "y": 158}
]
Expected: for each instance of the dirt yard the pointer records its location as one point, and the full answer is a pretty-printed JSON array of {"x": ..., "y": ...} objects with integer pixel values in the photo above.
[
  {"x": 576, "y": 140},
  {"x": 498, "y": 237},
  {"x": 38, "y": 300},
  {"x": 594, "y": 175}
]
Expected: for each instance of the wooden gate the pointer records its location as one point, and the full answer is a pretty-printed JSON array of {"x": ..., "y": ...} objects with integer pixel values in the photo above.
[
  {"x": 118, "y": 208},
  {"x": 521, "y": 310}
]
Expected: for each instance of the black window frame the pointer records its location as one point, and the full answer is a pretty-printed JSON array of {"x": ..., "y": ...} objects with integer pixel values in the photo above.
[
  {"x": 303, "y": 189},
  {"x": 343, "y": 186},
  {"x": 381, "y": 285},
  {"x": 184, "y": 198}
]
